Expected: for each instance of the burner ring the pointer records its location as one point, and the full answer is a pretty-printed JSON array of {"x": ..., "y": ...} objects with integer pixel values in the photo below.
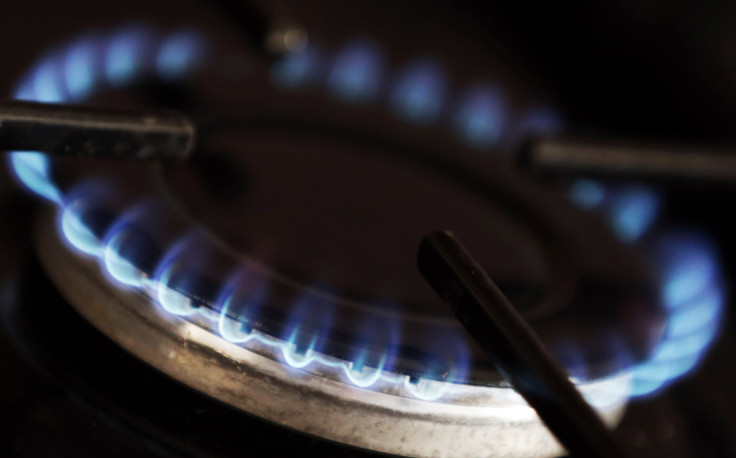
[
  {"x": 255, "y": 382},
  {"x": 126, "y": 270},
  {"x": 187, "y": 275}
]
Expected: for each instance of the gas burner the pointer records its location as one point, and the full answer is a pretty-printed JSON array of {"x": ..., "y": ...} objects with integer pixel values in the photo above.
[{"x": 274, "y": 271}]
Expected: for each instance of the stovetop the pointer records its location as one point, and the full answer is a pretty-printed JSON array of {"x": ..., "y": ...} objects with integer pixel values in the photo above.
[
  {"x": 107, "y": 402},
  {"x": 70, "y": 391}
]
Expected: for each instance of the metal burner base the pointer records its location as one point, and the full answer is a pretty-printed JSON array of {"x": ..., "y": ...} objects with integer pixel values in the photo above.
[{"x": 489, "y": 421}]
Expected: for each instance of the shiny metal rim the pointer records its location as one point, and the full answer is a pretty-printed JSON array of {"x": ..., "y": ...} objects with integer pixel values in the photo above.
[{"x": 476, "y": 421}]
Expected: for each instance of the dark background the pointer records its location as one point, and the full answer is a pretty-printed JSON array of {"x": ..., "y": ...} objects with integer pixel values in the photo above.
[{"x": 654, "y": 69}]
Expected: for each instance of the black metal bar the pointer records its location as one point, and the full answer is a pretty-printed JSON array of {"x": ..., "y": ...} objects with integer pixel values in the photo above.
[
  {"x": 518, "y": 353},
  {"x": 267, "y": 25},
  {"x": 566, "y": 156},
  {"x": 95, "y": 132}
]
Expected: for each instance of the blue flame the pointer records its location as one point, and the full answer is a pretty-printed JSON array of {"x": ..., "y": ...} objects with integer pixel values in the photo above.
[
  {"x": 74, "y": 72},
  {"x": 296, "y": 356},
  {"x": 239, "y": 301},
  {"x": 693, "y": 294},
  {"x": 632, "y": 211},
  {"x": 79, "y": 234},
  {"x": 128, "y": 55},
  {"x": 480, "y": 120},
  {"x": 33, "y": 169},
  {"x": 76, "y": 232},
  {"x": 481, "y": 117},
  {"x": 309, "y": 320},
  {"x": 701, "y": 314},
  {"x": 419, "y": 93},
  {"x": 180, "y": 55},
  {"x": 171, "y": 299},
  {"x": 691, "y": 287},
  {"x": 125, "y": 248},
  {"x": 674, "y": 358},
  {"x": 24, "y": 91},
  {"x": 688, "y": 267},
  {"x": 82, "y": 67},
  {"x": 46, "y": 79},
  {"x": 357, "y": 72},
  {"x": 587, "y": 194},
  {"x": 298, "y": 69},
  {"x": 130, "y": 249},
  {"x": 83, "y": 219},
  {"x": 119, "y": 266},
  {"x": 364, "y": 376},
  {"x": 170, "y": 283},
  {"x": 376, "y": 342},
  {"x": 244, "y": 293}
]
